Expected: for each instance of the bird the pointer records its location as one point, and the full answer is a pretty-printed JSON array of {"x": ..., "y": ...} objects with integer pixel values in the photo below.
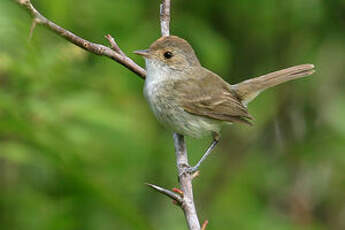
[{"x": 191, "y": 100}]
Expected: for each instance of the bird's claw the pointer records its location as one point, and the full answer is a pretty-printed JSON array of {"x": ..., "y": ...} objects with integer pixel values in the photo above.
[{"x": 188, "y": 170}]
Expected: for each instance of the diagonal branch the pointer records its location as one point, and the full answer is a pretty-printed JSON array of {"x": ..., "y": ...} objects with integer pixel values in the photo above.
[
  {"x": 98, "y": 49},
  {"x": 168, "y": 193},
  {"x": 114, "y": 45},
  {"x": 204, "y": 225}
]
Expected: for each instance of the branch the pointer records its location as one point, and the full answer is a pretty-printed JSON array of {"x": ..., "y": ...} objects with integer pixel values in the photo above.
[
  {"x": 114, "y": 45},
  {"x": 165, "y": 17},
  {"x": 185, "y": 180},
  {"x": 114, "y": 53},
  {"x": 204, "y": 225},
  {"x": 185, "y": 197},
  {"x": 168, "y": 193}
]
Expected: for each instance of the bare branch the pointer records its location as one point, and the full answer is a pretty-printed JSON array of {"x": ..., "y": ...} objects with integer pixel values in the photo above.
[
  {"x": 165, "y": 17},
  {"x": 98, "y": 49},
  {"x": 32, "y": 28},
  {"x": 114, "y": 45},
  {"x": 185, "y": 180},
  {"x": 168, "y": 193},
  {"x": 195, "y": 174}
]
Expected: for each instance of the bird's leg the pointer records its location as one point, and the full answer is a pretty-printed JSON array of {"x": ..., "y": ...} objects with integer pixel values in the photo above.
[{"x": 215, "y": 141}]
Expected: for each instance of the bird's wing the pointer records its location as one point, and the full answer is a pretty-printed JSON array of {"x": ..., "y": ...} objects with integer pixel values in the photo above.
[{"x": 210, "y": 96}]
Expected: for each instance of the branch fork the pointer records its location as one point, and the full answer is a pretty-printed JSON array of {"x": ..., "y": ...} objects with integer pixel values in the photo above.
[
  {"x": 114, "y": 45},
  {"x": 95, "y": 48}
]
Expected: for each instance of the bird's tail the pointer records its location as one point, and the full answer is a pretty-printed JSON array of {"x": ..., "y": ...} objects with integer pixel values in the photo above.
[{"x": 249, "y": 89}]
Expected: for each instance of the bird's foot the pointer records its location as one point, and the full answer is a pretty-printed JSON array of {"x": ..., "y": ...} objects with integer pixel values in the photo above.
[{"x": 189, "y": 170}]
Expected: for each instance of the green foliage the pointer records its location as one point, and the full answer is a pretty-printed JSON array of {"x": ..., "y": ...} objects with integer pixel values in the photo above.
[{"x": 78, "y": 141}]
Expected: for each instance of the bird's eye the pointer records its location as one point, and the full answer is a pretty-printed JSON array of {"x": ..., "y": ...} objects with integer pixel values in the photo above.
[{"x": 168, "y": 55}]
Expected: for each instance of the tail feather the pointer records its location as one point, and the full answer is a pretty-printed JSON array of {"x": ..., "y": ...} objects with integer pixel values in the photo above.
[{"x": 249, "y": 89}]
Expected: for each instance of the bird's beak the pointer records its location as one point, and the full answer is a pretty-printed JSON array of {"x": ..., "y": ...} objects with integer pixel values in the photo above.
[{"x": 144, "y": 53}]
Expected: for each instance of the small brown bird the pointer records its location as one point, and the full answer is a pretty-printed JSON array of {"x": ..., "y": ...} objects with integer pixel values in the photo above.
[{"x": 191, "y": 100}]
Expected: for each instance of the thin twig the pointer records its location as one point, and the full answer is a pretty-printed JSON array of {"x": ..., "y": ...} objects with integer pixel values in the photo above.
[
  {"x": 98, "y": 49},
  {"x": 165, "y": 17},
  {"x": 32, "y": 28},
  {"x": 114, "y": 45},
  {"x": 167, "y": 192},
  {"x": 204, "y": 225},
  {"x": 195, "y": 174}
]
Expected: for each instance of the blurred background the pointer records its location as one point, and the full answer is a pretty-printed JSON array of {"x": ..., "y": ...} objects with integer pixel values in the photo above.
[{"x": 78, "y": 141}]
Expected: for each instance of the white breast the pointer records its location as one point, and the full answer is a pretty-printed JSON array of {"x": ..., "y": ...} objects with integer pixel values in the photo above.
[{"x": 165, "y": 106}]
